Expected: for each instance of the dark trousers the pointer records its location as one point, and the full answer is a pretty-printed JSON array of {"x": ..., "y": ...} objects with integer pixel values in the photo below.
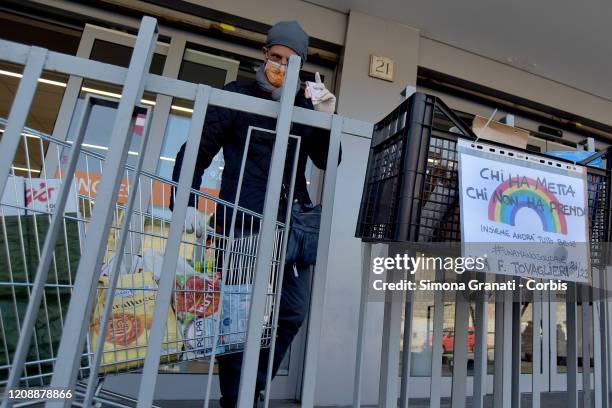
[{"x": 294, "y": 303}]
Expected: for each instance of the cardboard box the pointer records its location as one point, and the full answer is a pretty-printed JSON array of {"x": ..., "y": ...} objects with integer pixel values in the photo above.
[{"x": 500, "y": 133}]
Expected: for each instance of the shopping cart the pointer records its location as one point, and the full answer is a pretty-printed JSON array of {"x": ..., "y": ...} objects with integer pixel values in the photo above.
[
  {"x": 213, "y": 283},
  {"x": 120, "y": 219}
]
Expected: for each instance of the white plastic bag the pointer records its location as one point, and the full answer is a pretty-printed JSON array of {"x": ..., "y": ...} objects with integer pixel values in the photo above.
[
  {"x": 136, "y": 266},
  {"x": 152, "y": 261}
]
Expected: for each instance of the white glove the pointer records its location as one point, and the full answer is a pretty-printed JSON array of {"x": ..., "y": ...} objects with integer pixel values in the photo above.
[
  {"x": 194, "y": 221},
  {"x": 322, "y": 99}
]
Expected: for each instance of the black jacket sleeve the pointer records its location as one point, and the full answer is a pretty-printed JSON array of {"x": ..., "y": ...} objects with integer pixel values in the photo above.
[
  {"x": 218, "y": 121},
  {"x": 316, "y": 146}
]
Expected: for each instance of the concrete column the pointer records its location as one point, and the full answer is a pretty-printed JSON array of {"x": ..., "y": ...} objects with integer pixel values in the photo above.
[
  {"x": 366, "y": 98},
  {"x": 360, "y": 95}
]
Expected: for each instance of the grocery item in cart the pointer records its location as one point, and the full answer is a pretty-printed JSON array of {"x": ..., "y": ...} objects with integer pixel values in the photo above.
[
  {"x": 236, "y": 301},
  {"x": 196, "y": 295},
  {"x": 198, "y": 337},
  {"x": 125, "y": 344},
  {"x": 207, "y": 262}
]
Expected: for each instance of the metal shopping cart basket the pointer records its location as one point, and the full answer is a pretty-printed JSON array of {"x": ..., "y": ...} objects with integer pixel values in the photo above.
[{"x": 212, "y": 284}]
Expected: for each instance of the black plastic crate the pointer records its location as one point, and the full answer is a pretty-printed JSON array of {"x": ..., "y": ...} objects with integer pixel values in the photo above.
[
  {"x": 411, "y": 190},
  {"x": 411, "y": 181},
  {"x": 598, "y": 196}
]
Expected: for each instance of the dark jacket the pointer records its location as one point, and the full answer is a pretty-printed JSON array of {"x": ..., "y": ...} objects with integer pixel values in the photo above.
[{"x": 227, "y": 129}]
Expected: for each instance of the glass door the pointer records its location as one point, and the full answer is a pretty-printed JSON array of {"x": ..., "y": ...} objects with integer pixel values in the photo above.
[
  {"x": 202, "y": 67},
  {"x": 561, "y": 328}
]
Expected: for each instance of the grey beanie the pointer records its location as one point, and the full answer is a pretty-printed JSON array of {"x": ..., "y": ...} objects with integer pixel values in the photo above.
[{"x": 290, "y": 34}]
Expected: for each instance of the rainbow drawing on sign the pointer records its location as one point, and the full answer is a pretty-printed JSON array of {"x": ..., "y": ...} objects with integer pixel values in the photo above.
[{"x": 512, "y": 195}]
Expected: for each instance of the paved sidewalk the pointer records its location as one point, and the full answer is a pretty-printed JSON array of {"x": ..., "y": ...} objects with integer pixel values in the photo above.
[{"x": 549, "y": 400}]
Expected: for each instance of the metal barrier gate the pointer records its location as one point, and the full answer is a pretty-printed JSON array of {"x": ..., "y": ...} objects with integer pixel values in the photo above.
[{"x": 107, "y": 223}]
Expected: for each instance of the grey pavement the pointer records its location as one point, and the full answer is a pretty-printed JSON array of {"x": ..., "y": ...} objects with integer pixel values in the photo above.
[{"x": 549, "y": 400}]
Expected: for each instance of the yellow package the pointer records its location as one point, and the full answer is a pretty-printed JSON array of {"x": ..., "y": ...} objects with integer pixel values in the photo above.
[{"x": 128, "y": 327}]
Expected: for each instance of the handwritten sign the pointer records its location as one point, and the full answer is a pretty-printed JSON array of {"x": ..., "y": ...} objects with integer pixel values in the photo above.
[{"x": 529, "y": 218}]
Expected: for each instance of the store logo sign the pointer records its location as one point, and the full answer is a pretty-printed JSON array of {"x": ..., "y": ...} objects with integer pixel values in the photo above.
[{"x": 41, "y": 195}]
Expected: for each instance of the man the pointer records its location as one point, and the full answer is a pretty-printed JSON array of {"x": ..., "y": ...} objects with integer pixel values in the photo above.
[{"x": 228, "y": 129}]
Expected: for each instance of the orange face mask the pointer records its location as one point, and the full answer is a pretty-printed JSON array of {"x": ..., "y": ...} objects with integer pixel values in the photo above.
[{"x": 275, "y": 73}]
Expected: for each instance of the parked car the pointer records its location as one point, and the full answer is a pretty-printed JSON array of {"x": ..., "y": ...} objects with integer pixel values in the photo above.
[{"x": 448, "y": 340}]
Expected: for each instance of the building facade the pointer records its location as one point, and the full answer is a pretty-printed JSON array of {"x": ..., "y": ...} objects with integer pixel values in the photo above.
[{"x": 216, "y": 42}]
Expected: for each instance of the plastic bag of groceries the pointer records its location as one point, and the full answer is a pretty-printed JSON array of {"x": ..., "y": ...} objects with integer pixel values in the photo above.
[
  {"x": 195, "y": 299},
  {"x": 125, "y": 344}
]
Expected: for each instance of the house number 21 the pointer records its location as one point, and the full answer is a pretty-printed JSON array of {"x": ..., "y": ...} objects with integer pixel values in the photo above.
[{"x": 381, "y": 67}]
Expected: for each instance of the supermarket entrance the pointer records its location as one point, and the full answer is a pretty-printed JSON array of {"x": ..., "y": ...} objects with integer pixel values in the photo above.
[{"x": 550, "y": 361}]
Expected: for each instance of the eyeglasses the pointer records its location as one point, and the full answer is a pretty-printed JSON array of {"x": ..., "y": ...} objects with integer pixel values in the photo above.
[{"x": 278, "y": 59}]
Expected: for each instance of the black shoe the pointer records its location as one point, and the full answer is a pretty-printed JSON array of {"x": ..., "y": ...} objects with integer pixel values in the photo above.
[
  {"x": 259, "y": 396},
  {"x": 226, "y": 403}
]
